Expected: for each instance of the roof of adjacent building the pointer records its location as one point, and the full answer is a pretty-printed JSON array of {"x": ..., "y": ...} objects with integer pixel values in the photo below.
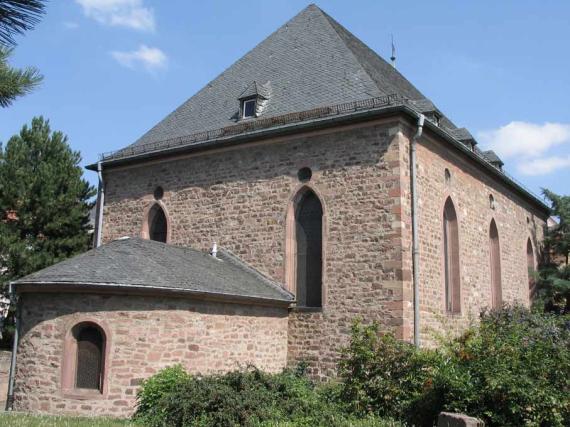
[
  {"x": 311, "y": 61},
  {"x": 146, "y": 264}
]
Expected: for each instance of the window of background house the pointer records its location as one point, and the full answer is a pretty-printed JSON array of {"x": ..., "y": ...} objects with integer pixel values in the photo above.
[
  {"x": 309, "y": 241},
  {"x": 495, "y": 260},
  {"x": 90, "y": 351},
  {"x": 157, "y": 225},
  {"x": 451, "y": 258},
  {"x": 531, "y": 269}
]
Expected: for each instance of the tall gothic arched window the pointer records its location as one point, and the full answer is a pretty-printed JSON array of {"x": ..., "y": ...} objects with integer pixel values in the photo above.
[
  {"x": 157, "y": 224},
  {"x": 451, "y": 258},
  {"x": 531, "y": 268},
  {"x": 495, "y": 266},
  {"x": 309, "y": 250},
  {"x": 90, "y": 354}
]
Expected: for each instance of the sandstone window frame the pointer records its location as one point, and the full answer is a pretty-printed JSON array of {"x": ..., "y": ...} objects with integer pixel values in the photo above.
[
  {"x": 69, "y": 364},
  {"x": 291, "y": 254},
  {"x": 495, "y": 265},
  {"x": 451, "y": 258},
  {"x": 148, "y": 218}
]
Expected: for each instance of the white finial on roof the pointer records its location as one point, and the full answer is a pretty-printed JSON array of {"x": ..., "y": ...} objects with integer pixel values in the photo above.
[{"x": 214, "y": 251}]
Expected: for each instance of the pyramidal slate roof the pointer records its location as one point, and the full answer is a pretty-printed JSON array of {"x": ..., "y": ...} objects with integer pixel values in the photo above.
[
  {"x": 310, "y": 62},
  {"x": 139, "y": 263}
]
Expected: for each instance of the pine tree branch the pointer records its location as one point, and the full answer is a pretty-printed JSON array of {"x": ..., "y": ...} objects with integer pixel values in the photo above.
[
  {"x": 15, "y": 82},
  {"x": 17, "y": 16}
]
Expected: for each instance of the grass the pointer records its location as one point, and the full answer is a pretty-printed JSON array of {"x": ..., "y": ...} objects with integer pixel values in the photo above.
[{"x": 26, "y": 420}]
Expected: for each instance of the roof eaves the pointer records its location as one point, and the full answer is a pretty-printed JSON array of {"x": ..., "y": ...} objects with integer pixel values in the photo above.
[
  {"x": 148, "y": 288},
  {"x": 312, "y": 124}
]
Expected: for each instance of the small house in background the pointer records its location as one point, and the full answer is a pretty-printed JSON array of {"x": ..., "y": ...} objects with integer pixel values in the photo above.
[{"x": 333, "y": 190}]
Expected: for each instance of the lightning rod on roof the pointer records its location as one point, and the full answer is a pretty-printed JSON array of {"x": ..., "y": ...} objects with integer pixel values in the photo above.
[{"x": 393, "y": 57}]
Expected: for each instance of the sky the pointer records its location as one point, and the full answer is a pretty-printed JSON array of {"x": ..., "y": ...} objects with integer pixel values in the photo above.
[{"x": 114, "y": 68}]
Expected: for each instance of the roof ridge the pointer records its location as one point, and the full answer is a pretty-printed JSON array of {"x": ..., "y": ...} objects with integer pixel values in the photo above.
[
  {"x": 329, "y": 20},
  {"x": 388, "y": 67}
]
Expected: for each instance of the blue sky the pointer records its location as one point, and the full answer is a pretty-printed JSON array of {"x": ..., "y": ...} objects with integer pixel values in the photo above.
[{"x": 114, "y": 68}]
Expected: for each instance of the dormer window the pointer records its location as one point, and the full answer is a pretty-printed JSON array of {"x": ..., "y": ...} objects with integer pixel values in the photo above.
[
  {"x": 437, "y": 119},
  {"x": 248, "y": 108},
  {"x": 253, "y": 100}
]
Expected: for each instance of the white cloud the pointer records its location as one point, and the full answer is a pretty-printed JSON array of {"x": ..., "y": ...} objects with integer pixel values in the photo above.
[
  {"x": 525, "y": 140},
  {"x": 151, "y": 58},
  {"x": 543, "y": 166},
  {"x": 123, "y": 13}
]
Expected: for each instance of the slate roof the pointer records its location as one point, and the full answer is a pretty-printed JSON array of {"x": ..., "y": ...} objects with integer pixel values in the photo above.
[
  {"x": 311, "y": 61},
  {"x": 256, "y": 89},
  {"x": 492, "y": 157},
  {"x": 310, "y": 72},
  {"x": 140, "y": 263}
]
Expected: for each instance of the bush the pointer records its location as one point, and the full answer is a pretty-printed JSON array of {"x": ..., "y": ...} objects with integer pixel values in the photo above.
[
  {"x": 385, "y": 376},
  {"x": 512, "y": 369},
  {"x": 155, "y": 389},
  {"x": 241, "y": 398}
]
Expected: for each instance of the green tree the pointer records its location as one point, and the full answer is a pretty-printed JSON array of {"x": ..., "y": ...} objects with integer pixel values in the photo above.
[
  {"x": 16, "y": 16},
  {"x": 44, "y": 201},
  {"x": 15, "y": 82},
  {"x": 554, "y": 271}
]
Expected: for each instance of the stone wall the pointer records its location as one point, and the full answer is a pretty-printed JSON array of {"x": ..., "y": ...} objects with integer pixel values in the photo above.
[
  {"x": 239, "y": 199},
  {"x": 469, "y": 188},
  {"x": 145, "y": 335}
]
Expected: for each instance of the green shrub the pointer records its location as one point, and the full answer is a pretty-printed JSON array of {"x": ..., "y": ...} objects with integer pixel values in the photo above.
[
  {"x": 242, "y": 398},
  {"x": 385, "y": 376},
  {"x": 156, "y": 388},
  {"x": 512, "y": 369}
]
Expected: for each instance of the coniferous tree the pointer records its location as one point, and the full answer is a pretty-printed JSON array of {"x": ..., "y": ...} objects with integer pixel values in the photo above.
[
  {"x": 15, "y": 82},
  {"x": 16, "y": 16},
  {"x": 44, "y": 201},
  {"x": 554, "y": 270}
]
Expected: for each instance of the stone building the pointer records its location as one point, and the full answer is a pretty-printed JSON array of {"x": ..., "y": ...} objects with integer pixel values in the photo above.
[{"x": 317, "y": 168}]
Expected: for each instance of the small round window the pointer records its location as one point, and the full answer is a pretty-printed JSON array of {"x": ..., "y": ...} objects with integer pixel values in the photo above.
[
  {"x": 158, "y": 193},
  {"x": 304, "y": 174}
]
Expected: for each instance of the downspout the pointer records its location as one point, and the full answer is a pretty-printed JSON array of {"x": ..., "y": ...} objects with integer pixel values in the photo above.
[
  {"x": 100, "y": 205},
  {"x": 10, "y": 398},
  {"x": 415, "y": 238}
]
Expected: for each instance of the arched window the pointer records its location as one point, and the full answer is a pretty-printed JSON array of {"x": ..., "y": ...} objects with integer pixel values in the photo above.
[
  {"x": 531, "y": 268},
  {"x": 495, "y": 264},
  {"x": 157, "y": 225},
  {"x": 90, "y": 357},
  {"x": 451, "y": 258},
  {"x": 309, "y": 250}
]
